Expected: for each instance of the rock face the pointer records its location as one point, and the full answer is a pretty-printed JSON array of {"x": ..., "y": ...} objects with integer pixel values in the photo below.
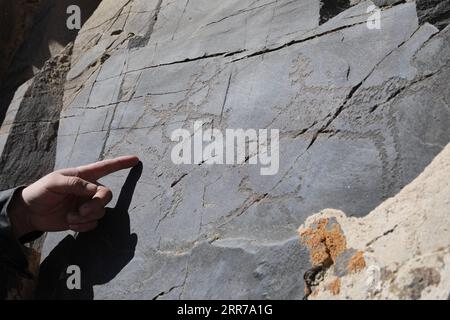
[
  {"x": 361, "y": 113},
  {"x": 401, "y": 250},
  {"x": 17, "y": 18},
  {"x": 36, "y": 32},
  {"x": 31, "y": 126},
  {"x": 434, "y": 11}
]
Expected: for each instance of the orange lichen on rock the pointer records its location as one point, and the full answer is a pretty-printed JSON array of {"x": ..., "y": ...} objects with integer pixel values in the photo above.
[
  {"x": 335, "y": 286},
  {"x": 324, "y": 242},
  {"x": 357, "y": 262}
]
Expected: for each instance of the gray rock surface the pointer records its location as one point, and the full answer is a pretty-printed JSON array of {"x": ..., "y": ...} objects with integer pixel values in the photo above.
[{"x": 361, "y": 112}]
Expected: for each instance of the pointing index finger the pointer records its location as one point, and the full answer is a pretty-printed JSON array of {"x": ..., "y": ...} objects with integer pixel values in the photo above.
[{"x": 97, "y": 170}]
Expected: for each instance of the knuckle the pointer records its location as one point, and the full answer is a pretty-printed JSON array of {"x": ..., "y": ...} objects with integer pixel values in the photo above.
[{"x": 74, "y": 181}]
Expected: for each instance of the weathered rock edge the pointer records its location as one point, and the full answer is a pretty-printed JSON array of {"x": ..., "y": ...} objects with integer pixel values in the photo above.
[{"x": 401, "y": 250}]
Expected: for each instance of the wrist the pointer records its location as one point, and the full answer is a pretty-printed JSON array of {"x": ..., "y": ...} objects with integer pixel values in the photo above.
[{"x": 19, "y": 215}]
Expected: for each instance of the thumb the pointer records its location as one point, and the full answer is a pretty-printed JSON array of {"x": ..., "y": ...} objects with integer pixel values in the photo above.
[{"x": 73, "y": 185}]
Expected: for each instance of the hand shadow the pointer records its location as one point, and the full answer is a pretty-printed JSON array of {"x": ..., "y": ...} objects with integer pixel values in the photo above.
[{"x": 100, "y": 254}]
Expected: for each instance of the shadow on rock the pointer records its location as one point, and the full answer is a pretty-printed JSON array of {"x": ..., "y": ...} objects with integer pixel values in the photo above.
[{"x": 100, "y": 254}]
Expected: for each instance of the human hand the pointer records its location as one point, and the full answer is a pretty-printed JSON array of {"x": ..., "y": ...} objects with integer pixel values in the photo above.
[{"x": 66, "y": 199}]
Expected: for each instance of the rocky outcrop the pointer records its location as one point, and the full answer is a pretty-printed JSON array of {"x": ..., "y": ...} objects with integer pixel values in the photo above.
[
  {"x": 16, "y": 17},
  {"x": 361, "y": 113},
  {"x": 37, "y": 31},
  {"x": 31, "y": 126},
  {"x": 47, "y": 35},
  {"x": 434, "y": 11},
  {"x": 401, "y": 250}
]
